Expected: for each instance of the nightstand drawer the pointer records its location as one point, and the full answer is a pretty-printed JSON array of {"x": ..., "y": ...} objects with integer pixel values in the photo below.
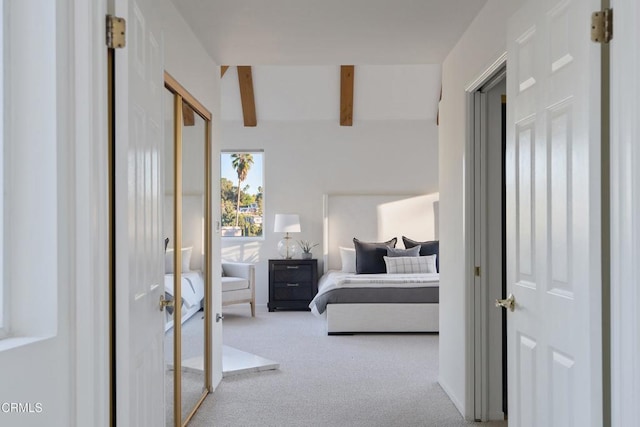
[
  {"x": 292, "y": 283},
  {"x": 294, "y": 291},
  {"x": 292, "y": 273}
]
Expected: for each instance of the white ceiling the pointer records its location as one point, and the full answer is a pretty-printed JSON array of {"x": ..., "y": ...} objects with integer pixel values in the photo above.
[{"x": 328, "y": 32}]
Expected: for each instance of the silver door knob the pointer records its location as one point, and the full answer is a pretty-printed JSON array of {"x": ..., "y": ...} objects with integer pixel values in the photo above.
[{"x": 509, "y": 303}]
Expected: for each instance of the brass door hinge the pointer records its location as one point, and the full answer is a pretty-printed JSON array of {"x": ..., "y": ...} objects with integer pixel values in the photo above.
[
  {"x": 602, "y": 26},
  {"x": 116, "y": 32}
]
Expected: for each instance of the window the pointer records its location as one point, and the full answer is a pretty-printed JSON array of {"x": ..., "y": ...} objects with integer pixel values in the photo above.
[
  {"x": 35, "y": 147},
  {"x": 242, "y": 193}
]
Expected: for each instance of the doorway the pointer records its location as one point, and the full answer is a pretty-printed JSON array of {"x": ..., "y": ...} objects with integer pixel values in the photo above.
[{"x": 489, "y": 246}]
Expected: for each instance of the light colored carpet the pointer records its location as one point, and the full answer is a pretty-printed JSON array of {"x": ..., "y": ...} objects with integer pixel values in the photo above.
[
  {"x": 234, "y": 361},
  {"x": 359, "y": 380},
  {"x": 192, "y": 339},
  {"x": 192, "y": 377}
]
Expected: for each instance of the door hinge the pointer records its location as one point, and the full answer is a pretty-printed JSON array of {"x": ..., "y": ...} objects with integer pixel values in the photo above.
[
  {"x": 116, "y": 32},
  {"x": 476, "y": 271},
  {"x": 602, "y": 26}
]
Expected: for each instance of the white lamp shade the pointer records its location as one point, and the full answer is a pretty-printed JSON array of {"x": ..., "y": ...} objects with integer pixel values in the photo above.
[{"x": 287, "y": 223}]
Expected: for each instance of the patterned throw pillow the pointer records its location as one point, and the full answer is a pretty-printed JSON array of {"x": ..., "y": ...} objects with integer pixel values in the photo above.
[
  {"x": 431, "y": 247},
  {"x": 410, "y": 265}
]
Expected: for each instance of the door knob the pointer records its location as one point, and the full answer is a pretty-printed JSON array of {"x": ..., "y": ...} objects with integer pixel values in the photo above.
[
  {"x": 509, "y": 303},
  {"x": 164, "y": 302}
]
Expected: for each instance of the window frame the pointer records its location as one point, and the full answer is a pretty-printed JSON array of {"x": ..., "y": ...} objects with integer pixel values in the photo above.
[{"x": 33, "y": 174}]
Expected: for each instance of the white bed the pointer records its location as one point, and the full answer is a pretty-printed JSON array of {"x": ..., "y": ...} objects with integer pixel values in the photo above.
[
  {"x": 377, "y": 218},
  {"x": 192, "y": 292},
  {"x": 192, "y": 282}
]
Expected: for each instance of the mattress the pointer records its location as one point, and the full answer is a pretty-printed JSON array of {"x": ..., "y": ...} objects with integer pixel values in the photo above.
[{"x": 336, "y": 287}]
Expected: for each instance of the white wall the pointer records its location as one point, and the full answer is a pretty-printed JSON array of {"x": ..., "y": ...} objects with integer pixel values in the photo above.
[
  {"x": 381, "y": 92},
  {"x": 391, "y": 148},
  {"x": 625, "y": 203},
  {"x": 480, "y": 46}
]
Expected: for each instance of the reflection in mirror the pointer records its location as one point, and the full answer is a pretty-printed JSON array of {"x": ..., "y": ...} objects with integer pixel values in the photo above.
[
  {"x": 169, "y": 187},
  {"x": 187, "y": 220},
  {"x": 193, "y": 262}
]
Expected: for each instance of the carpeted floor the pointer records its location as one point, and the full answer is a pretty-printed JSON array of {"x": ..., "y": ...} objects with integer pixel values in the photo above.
[
  {"x": 192, "y": 381},
  {"x": 359, "y": 380}
]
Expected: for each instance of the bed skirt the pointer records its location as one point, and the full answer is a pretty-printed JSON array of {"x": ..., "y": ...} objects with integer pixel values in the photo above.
[{"x": 359, "y": 318}]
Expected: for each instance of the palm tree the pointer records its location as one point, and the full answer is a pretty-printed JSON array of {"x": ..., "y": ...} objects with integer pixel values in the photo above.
[{"x": 241, "y": 162}]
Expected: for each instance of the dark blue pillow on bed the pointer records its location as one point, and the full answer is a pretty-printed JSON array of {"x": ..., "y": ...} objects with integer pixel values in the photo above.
[
  {"x": 370, "y": 256},
  {"x": 431, "y": 247}
]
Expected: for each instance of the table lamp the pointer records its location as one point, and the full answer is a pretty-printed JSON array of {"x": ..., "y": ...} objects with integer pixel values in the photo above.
[{"x": 287, "y": 223}]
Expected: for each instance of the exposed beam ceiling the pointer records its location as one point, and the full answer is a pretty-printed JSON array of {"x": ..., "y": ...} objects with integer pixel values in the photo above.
[
  {"x": 346, "y": 95},
  {"x": 188, "y": 117},
  {"x": 245, "y": 80}
]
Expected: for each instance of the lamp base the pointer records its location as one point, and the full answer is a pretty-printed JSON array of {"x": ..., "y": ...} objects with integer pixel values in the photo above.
[{"x": 287, "y": 248}]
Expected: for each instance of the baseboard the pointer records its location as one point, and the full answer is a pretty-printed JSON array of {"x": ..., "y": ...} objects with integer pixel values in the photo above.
[
  {"x": 496, "y": 416},
  {"x": 459, "y": 406}
]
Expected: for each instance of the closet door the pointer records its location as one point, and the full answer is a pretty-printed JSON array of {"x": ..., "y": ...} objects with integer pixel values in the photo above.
[
  {"x": 187, "y": 277},
  {"x": 194, "y": 271}
]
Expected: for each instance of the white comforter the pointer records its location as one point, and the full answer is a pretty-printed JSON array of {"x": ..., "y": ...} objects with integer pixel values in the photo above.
[
  {"x": 191, "y": 287},
  {"x": 334, "y": 279}
]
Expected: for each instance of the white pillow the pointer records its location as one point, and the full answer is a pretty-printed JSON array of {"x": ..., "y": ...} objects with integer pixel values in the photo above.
[
  {"x": 186, "y": 260},
  {"x": 411, "y": 264},
  {"x": 348, "y": 258}
]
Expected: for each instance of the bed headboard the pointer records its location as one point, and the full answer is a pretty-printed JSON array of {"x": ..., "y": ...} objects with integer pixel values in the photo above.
[{"x": 376, "y": 218}]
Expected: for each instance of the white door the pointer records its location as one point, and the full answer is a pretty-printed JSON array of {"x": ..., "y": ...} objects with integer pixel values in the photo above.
[
  {"x": 139, "y": 246},
  {"x": 553, "y": 216}
]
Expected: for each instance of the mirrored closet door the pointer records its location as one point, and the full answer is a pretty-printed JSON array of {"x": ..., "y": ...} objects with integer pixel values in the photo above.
[{"x": 187, "y": 225}]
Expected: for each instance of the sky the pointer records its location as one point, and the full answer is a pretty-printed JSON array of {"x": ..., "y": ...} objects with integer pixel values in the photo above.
[{"x": 255, "y": 176}]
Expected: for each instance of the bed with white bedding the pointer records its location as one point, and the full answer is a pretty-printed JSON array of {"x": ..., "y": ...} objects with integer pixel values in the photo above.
[
  {"x": 365, "y": 302},
  {"x": 381, "y": 302},
  {"x": 337, "y": 287},
  {"x": 192, "y": 281},
  {"x": 191, "y": 292}
]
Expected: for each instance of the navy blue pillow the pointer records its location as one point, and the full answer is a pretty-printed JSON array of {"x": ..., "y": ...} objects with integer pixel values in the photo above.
[
  {"x": 370, "y": 256},
  {"x": 431, "y": 247}
]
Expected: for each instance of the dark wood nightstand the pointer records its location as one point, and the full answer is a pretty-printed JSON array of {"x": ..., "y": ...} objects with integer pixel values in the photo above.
[{"x": 292, "y": 283}]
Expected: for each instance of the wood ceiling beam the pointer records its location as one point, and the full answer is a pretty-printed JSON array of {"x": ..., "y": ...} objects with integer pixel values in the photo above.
[
  {"x": 346, "y": 95},
  {"x": 245, "y": 80},
  {"x": 223, "y": 69},
  {"x": 188, "y": 117}
]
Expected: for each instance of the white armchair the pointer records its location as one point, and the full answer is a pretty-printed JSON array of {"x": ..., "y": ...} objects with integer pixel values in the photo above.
[{"x": 238, "y": 284}]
